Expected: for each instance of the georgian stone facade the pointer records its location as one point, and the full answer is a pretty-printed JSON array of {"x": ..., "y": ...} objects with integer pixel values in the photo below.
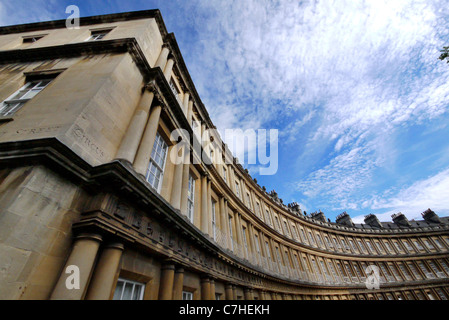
[{"x": 85, "y": 125}]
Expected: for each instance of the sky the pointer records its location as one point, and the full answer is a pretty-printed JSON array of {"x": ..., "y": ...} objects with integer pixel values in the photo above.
[{"x": 354, "y": 88}]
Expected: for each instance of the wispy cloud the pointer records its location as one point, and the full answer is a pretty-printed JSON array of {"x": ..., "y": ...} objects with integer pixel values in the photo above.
[
  {"x": 342, "y": 80},
  {"x": 18, "y": 12},
  {"x": 362, "y": 71}
]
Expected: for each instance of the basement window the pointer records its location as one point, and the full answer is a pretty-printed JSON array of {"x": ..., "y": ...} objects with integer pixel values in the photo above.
[
  {"x": 187, "y": 295},
  {"x": 128, "y": 290}
]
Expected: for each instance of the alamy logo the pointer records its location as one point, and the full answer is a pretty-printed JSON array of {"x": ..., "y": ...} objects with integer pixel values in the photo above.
[
  {"x": 257, "y": 147},
  {"x": 73, "y": 21},
  {"x": 373, "y": 278},
  {"x": 73, "y": 280}
]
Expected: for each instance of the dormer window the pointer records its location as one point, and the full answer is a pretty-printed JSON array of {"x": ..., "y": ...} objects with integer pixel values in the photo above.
[
  {"x": 32, "y": 39},
  {"x": 97, "y": 35}
]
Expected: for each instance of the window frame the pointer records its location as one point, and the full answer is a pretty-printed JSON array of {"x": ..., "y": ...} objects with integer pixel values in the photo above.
[
  {"x": 214, "y": 218},
  {"x": 191, "y": 198},
  {"x": 134, "y": 283},
  {"x": 99, "y": 34},
  {"x": 33, "y": 38},
  {"x": 24, "y": 93},
  {"x": 156, "y": 165},
  {"x": 187, "y": 294}
]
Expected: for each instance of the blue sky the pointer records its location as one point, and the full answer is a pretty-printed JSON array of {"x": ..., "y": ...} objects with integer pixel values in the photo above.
[{"x": 355, "y": 89}]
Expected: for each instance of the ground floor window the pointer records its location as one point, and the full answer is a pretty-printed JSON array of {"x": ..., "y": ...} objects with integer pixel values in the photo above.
[
  {"x": 187, "y": 295},
  {"x": 128, "y": 290}
]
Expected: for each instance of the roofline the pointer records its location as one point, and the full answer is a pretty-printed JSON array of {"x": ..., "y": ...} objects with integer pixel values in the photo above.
[{"x": 99, "y": 19}]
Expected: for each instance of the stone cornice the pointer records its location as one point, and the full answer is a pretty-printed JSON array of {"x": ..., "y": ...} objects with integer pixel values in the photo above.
[
  {"x": 179, "y": 120},
  {"x": 175, "y": 112},
  {"x": 120, "y": 177},
  {"x": 93, "y": 20},
  {"x": 116, "y": 176},
  {"x": 180, "y": 64}
]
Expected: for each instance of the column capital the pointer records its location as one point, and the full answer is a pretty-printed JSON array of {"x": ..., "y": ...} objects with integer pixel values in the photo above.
[
  {"x": 153, "y": 88},
  {"x": 168, "y": 265},
  {"x": 150, "y": 86},
  {"x": 89, "y": 236},
  {"x": 116, "y": 245},
  {"x": 205, "y": 278},
  {"x": 179, "y": 270},
  {"x": 166, "y": 45}
]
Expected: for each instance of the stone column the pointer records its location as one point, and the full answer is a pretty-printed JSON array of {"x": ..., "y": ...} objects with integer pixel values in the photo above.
[
  {"x": 253, "y": 202},
  {"x": 252, "y": 250},
  {"x": 169, "y": 69},
  {"x": 190, "y": 112},
  {"x": 238, "y": 231},
  {"x": 251, "y": 294},
  {"x": 205, "y": 288},
  {"x": 212, "y": 289},
  {"x": 233, "y": 180},
  {"x": 178, "y": 284},
  {"x": 229, "y": 295},
  {"x": 130, "y": 143},
  {"x": 209, "y": 206},
  {"x": 204, "y": 206},
  {"x": 176, "y": 190},
  {"x": 203, "y": 130},
  {"x": 166, "y": 282},
  {"x": 234, "y": 293},
  {"x": 223, "y": 222},
  {"x": 226, "y": 228},
  {"x": 83, "y": 255},
  {"x": 162, "y": 60},
  {"x": 142, "y": 160},
  {"x": 247, "y": 294},
  {"x": 103, "y": 280},
  {"x": 185, "y": 106},
  {"x": 185, "y": 183}
]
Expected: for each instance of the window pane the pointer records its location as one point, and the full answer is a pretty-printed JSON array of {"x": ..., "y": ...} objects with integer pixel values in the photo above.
[
  {"x": 137, "y": 292},
  {"x": 127, "y": 291},
  {"x": 118, "y": 291}
]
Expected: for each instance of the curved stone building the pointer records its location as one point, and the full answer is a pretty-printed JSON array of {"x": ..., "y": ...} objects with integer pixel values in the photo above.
[{"x": 92, "y": 207}]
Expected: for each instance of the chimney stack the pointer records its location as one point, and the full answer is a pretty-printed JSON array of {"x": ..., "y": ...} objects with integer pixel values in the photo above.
[
  {"x": 345, "y": 219},
  {"x": 401, "y": 220},
  {"x": 373, "y": 221}
]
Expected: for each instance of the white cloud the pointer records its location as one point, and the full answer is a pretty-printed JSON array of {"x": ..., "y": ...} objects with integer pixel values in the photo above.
[
  {"x": 432, "y": 192},
  {"x": 342, "y": 57},
  {"x": 341, "y": 75}
]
